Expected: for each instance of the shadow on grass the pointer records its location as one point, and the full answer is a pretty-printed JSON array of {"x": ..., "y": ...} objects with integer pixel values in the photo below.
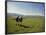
[{"x": 25, "y": 26}]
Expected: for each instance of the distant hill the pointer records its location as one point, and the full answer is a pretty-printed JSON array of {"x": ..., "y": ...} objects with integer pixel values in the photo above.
[
  {"x": 26, "y": 16},
  {"x": 13, "y": 14}
]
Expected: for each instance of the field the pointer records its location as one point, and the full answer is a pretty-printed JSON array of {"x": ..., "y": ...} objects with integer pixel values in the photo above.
[{"x": 32, "y": 24}]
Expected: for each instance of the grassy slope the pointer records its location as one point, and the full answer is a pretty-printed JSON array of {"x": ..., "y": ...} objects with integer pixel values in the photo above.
[{"x": 36, "y": 23}]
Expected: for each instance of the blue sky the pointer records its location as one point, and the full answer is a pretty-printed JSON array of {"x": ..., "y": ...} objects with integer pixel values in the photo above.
[{"x": 26, "y": 8}]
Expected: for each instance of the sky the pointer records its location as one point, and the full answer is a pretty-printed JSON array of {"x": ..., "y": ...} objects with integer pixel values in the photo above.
[{"x": 26, "y": 8}]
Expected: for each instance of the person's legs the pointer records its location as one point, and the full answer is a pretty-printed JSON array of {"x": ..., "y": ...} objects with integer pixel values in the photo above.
[{"x": 17, "y": 23}]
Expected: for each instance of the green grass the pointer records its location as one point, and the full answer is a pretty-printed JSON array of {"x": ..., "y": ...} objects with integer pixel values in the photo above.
[{"x": 36, "y": 23}]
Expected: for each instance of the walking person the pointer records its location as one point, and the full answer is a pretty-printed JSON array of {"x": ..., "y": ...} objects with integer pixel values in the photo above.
[
  {"x": 21, "y": 19},
  {"x": 17, "y": 20}
]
